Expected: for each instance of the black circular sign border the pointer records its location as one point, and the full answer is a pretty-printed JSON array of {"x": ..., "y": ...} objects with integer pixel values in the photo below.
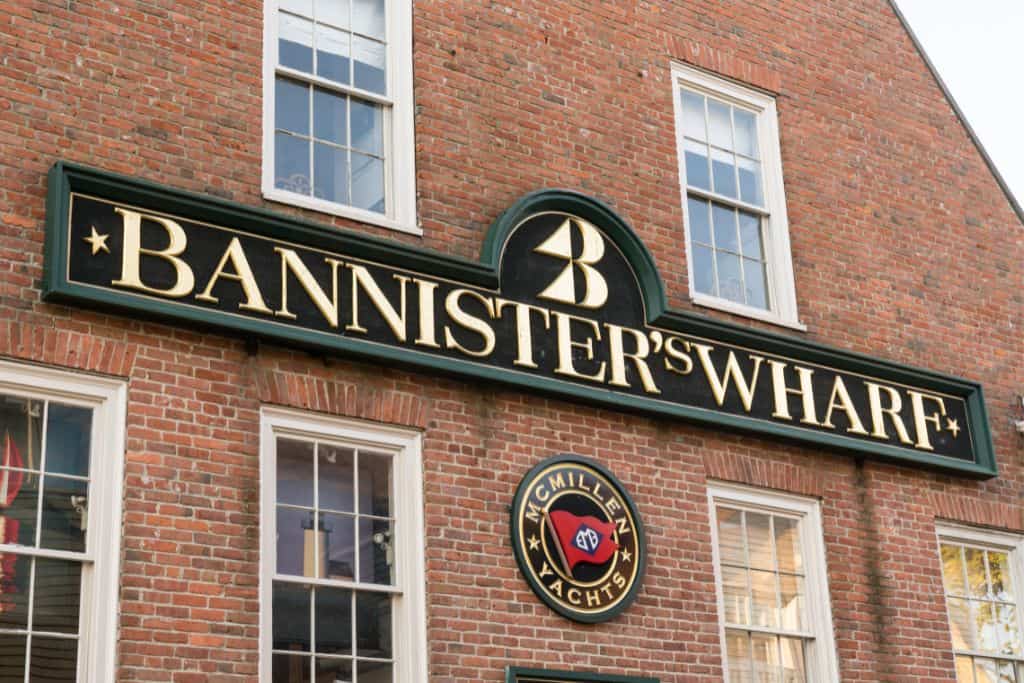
[{"x": 521, "y": 560}]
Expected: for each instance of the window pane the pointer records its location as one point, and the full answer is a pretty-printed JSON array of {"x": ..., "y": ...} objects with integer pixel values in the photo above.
[
  {"x": 333, "y": 621},
  {"x": 763, "y": 607},
  {"x": 374, "y": 672},
  {"x": 985, "y": 670},
  {"x": 693, "y": 115},
  {"x": 295, "y": 43},
  {"x": 697, "y": 173},
  {"x": 330, "y": 116},
  {"x": 757, "y": 285},
  {"x": 787, "y": 545},
  {"x": 964, "y": 670},
  {"x": 332, "y": 54},
  {"x": 367, "y": 127},
  {"x": 765, "y": 651},
  {"x": 750, "y": 181},
  {"x": 340, "y": 544},
  {"x": 295, "y": 472},
  {"x": 374, "y": 484},
  {"x": 977, "y": 582},
  {"x": 700, "y": 222},
  {"x": 57, "y": 596},
  {"x": 291, "y": 617},
  {"x": 719, "y": 124},
  {"x": 64, "y": 514},
  {"x": 725, "y": 230},
  {"x": 367, "y": 183},
  {"x": 703, "y": 270},
  {"x": 291, "y": 100},
  {"x": 333, "y": 12},
  {"x": 723, "y": 169},
  {"x": 750, "y": 235},
  {"x": 12, "y": 657},
  {"x": 19, "y": 520},
  {"x": 369, "y": 57},
  {"x": 21, "y": 421},
  {"x": 791, "y": 592},
  {"x": 986, "y": 629},
  {"x": 376, "y": 551},
  {"x": 952, "y": 569},
  {"x": 792, "y": 660},
  {"x": 373, "y": 625},
  {"x": 960, "y": 623},
  {"x": 337, "y": 478},
  {"x": 68, "y": 431},
  {"x": 54, "y": 660},
  {"x": 368, "y": 18},
  {"x": 291, "y": 669},
  {"x": 15, "y": 574},
  {"x": 294, "y": 533},
  {"x": 759, "y": 541},
  {"x": 737, "y": 646},
  {"x": 746, "y": 132},
  {"x": 734, "y": 595},
  {"x": 1006, "y": 674},
  {"x": 291, "y": 163},
  {"x": 1009, "y": 633},
  {"x": 334, "y": 670},
  {"x": 330, "y": 173},
  {"x": 730, "y": 536},
  {"x": 999, "y": 572},
  {"x": 304, "y": 7},
  {"x": 730, "y": 286}
]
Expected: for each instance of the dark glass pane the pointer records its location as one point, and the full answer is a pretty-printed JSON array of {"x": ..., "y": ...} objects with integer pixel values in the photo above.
[
  {"x": 333, "y": 621},
  {"x": 291, "y": 163},
  {"x": 368, "y": 127},
  {"x": 14, "y": 583},
  {"x": 291, "y": 103},
  {"x": 295, "y": 472},
  {"x": 367, "y": 183},
  {"x": 295, "y": 43},
  {"x": 724, "y": 171},
  {"x": 369, "y": 58},
  {"x": 57, "y": 595},
  {"x": 374, "y": 484},
  {"x": 339, "y": 531},
  {"x": 703, "y": 270},
  {"x": 67, "y": 439},
  {"x": 12, "y": 658},
  {"x": 376, "y": 551},
  {"x": 374, "y": 672},
  {"x": 725, "y": 228},
  {"x": 334, "y": 670},
  {"x": 700, "y": 220},
  {"x": 291, "y": 669},
  {"x": 330, "y": 116},
  {"x": 291, "y": 617},
  {"x": 65, "y": 514},
  {"x": 20, "y": 433},
  {"x": 295, "y": 540},
  {"x": 332, "y": 54},
  {"x": 757, "y": 286},
  {"x": 20, "y": 490},
  {"x": 750, "y": 181},
  {"x": 330, "y": 173},
  {"x": 697, "y": 173},
  {"x": 337, "y": 479},
  {"x": 373, "y": 625},
  {"x": 54, "y": 660},
  {"x": 368, "y": 18}
]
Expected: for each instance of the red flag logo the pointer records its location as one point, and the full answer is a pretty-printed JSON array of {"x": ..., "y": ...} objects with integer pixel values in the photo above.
[
  {"x": 582, "y": 539},
  {"x": 10, "y": 480}
]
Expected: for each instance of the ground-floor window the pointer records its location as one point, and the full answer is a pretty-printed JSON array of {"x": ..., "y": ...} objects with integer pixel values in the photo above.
[
  {"x": 61, "y": 465},
  {"x": 342, "y": 551}
]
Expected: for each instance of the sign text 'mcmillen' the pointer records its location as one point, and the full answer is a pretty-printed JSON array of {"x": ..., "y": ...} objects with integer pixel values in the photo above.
[{"x": 565, "y": 301}]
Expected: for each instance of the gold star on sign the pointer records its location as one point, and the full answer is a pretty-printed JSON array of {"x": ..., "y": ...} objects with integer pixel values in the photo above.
[
  {"x": 97, "y": 241},
  {"x": 534, "y": 542},
  {"x": 953, "y": 426},
  {"x": 626, "y": 556}
]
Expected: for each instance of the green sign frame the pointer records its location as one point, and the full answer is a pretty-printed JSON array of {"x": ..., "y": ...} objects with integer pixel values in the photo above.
[{"x": 516, "y": 674}]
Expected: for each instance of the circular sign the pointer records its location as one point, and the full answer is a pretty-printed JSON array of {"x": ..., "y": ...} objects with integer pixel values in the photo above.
[{"x": 578, "y": 538}]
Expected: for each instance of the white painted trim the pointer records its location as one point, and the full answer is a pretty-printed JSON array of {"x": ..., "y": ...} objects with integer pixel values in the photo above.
[
  {"x": 821, "y": 660},
  {"x": 409, "y": 624},
  {"x": 108, "y": 398},
  {"x": 778, "y": 254},
  {"x": 399, "y": 127}
]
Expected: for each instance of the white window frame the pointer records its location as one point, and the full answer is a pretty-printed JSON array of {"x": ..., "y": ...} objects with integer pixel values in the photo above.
[
  {"x": 987, "y": 539},
  {"x": 820, "y": 655},
  {"x": 408, "y": 622},
  {"x": 98, "y": 611},
  {"x": 398, "y": 115},
  {"x": 775, "y": 230}
]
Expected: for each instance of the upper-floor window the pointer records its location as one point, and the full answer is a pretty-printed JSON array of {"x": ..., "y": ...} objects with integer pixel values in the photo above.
[
  {"x": 982, "y": 576},
  {"x": 737, "y": 235},
  {"x": 338, "y": 121},
  {"x": 61, "y": 448}
]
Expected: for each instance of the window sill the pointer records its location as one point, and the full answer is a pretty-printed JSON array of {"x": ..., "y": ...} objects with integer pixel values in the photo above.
[
  {"x": 746, "y": 311},
  {"x": 351, "y": 212}
]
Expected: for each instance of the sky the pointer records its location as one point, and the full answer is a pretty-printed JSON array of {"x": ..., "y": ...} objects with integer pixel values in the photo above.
[{"x": 977, "y": 46}]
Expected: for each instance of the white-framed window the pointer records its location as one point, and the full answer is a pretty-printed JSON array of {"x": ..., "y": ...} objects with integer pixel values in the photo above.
[
  {"x": 341, "y": 551},
  {"x": 338, "y": 109},
  {"x": 61, "y": 470},
  {"x": 773, "y": 599},
  {"x": 983, "y": 578},
  {"x": 734, "y": 207}
]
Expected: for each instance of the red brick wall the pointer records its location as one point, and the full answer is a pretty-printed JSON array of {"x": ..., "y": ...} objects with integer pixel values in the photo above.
[{"x": 904, "y": 247}]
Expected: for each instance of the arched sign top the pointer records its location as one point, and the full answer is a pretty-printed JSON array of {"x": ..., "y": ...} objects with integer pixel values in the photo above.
[{"x": 591, "y": 211}]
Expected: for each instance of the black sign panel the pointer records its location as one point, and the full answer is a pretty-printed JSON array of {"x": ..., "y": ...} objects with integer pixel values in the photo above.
[{"x": 566, "y": 300}]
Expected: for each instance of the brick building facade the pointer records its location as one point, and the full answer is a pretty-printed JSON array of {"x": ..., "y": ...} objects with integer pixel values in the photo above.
[{"x": 903, "y": 246}]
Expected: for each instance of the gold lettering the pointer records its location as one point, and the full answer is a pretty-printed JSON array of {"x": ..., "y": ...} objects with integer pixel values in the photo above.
[
  {"x": 618, "y": 358},
  {"x": 574, "y": 595},
  {"x": 243, "y": 275},
  {"x": 613, "y": 504},
  {"x": 556, "y": 587},
  {"x": 361, "y": 278},
  {"x": 290, "y": 261},
  {"x": 427, "y": 336},
  {"x": 618, "y": 579},
  {"x": 556, "y": 481},
  {"x": 593, "y": 599},
  {"x": 805, "y": 392},
  {"x": 878, "y": 413},
  {"x": 533, "y": 512},
  {"x": 921, "y": 420},
  {"x": 524, "y": 332},
  {"x": 623, "y": 525},
  {"x": 719, "y": 387},
  {"x": 607, "y": 590},
  {"x": 846, "y": 405},
  {"x": 545, "y": 570},
  {"x": 566, "y": 344},
  {"x": 679, "y": 354},
  {"x": 133, "y": 251},
  {"x": 541, "y": 493},
  {"x": 453, "y": 305}
]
